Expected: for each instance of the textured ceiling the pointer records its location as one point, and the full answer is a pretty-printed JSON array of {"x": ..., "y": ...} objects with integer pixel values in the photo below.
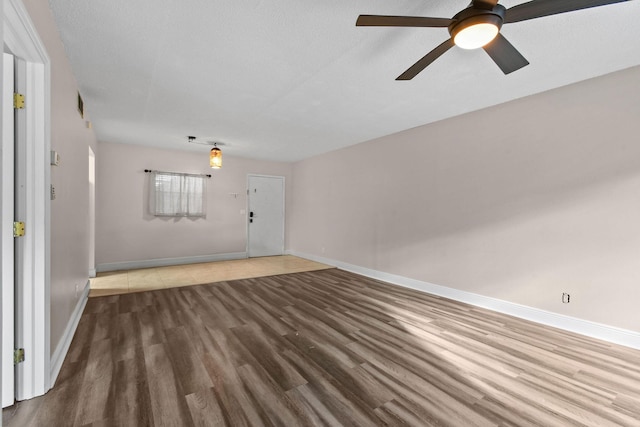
[{"x": 288, "y": 79}]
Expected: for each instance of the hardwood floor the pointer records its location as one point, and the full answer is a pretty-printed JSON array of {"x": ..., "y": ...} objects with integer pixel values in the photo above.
[{"x": 327, "y": 348}]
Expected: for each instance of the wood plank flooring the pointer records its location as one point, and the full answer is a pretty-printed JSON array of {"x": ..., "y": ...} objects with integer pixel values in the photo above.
[{"x": 327, "y": 348}]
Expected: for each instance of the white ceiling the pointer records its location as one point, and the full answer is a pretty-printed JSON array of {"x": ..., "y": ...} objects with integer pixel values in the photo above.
[{"x": 289, "y": 79}]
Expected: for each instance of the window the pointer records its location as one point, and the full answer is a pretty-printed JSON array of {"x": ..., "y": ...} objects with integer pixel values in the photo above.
[{"x": 177, "y": 194}]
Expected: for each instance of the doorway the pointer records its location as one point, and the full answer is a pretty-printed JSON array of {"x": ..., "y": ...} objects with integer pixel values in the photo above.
[{"x": 266, "y": 216}]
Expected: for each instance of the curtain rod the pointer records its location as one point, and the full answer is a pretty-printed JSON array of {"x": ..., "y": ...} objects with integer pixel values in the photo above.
[{"x": 179, "y": 173}]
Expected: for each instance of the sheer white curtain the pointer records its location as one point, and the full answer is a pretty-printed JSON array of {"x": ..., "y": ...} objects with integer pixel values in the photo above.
[{"x": 175, "y": 194}]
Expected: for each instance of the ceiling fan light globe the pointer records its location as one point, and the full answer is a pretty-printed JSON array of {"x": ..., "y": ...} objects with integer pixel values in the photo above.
[
  {"x": 215, "y": 158},
  {"x": 476, "y": 35}
]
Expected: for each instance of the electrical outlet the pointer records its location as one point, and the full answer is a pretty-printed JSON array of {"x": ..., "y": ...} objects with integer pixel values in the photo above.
[{"x": 566, "y": 298}]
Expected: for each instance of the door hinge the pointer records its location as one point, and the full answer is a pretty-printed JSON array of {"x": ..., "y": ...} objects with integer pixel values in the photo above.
[
  {"x": 18, "y": 229},
  {"x": 18, "y": 101},
  {"x": 18, "y": 356}
]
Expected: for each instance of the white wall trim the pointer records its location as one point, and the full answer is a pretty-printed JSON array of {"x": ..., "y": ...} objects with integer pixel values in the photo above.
[
  {"x": 65, "y": 342},
  {"x": 164, "y": 262},
  {"x": 584, "y": 327},
  {"x": 92, "y": 272}
]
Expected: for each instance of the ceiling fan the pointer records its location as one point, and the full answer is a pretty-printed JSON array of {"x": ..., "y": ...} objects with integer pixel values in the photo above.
[{"x": 478, "y": 25}]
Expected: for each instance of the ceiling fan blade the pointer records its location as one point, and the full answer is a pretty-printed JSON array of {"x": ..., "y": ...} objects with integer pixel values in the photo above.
[
  {"x": 505, "y": 55},
  {"x": 426, "y": 60},
  {"x": 400, "y": 21},
  {"x": 539, "y": 8}
]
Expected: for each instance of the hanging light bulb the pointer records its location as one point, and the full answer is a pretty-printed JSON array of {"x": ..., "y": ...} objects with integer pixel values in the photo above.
[{"x": 215, "y": 157}]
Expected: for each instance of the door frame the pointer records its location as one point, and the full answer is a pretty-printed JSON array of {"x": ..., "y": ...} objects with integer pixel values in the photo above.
[
  {"x": 33, "y": 377},
  {"x": 284, "y": 208},
  {"x": 6, "y": 223},
  {"x": 92, "y": 213}
]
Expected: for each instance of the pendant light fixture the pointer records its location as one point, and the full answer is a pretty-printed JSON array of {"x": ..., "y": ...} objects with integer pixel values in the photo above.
[{"x": 215, "y": 157}]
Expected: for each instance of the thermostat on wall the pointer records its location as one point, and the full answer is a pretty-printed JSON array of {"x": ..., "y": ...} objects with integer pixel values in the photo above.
[{"x": 55, "y": 158}]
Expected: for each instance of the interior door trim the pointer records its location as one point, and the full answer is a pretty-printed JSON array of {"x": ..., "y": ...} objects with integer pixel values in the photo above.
[{"x": 34, "y": 377}]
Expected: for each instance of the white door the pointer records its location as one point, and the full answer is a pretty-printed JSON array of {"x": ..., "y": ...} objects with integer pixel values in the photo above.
[
  {"x": 6, "y": 266},
  {"x": 266, "y": 215},
  {"x": 22, "y": 272}
]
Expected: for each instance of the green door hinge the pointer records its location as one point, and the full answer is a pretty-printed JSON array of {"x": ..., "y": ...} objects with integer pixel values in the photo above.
[{"x": 18, "y": 356}]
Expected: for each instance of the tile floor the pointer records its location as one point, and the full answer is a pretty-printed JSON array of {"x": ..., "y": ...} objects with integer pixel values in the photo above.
[{"x": 147, "y": 279}]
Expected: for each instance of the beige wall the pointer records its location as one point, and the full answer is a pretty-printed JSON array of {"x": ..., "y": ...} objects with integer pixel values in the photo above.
[
  {"x": 71, "y": 138},
  {"x": 520, "y": 202},
  {"x": 126, "y": 232}
]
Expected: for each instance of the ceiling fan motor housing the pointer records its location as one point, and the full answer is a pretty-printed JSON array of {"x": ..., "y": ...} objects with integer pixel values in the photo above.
[{"x": 473, "y": 16}]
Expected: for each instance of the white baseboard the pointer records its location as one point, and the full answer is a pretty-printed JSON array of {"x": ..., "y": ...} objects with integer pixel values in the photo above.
[
  {"x": 65, "y": 342},
  {"x": 92, "y": 273},
  {"x": 584, "y": 327},
  {"x": 164, "y": 262}
]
